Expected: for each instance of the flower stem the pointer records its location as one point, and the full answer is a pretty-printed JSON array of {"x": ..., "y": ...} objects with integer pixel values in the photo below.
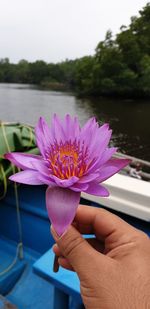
[{"x": 56, "y": 264}]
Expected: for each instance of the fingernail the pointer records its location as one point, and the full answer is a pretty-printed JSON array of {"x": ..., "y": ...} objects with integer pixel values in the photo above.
[{"x": 55, "y": 235}]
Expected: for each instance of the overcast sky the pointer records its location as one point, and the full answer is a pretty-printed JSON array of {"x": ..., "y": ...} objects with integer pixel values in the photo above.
[{"x": 54, "y": 30}]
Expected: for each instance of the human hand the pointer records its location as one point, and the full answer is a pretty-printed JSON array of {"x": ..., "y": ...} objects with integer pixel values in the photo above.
[{"x": 114, "y": 267}]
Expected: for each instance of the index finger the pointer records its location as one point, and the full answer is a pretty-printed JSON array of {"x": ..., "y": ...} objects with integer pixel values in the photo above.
[{"x": 98, "y": 221}]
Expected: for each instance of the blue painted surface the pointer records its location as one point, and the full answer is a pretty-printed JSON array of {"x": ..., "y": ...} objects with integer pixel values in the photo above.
[
  {"x": 9, "y": 278},
  {"x": 66, "y": 283},
  {"x": 30, "y": 290},
  {"x": 64, "y": 279},
  {"x": 34, "y": 219},
  {"x": 8, "y": 281},
  {"x": 1, "y": 304}
]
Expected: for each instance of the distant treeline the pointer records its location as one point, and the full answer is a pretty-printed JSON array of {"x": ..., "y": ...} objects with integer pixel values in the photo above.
[{"x": 120, "y": 66}]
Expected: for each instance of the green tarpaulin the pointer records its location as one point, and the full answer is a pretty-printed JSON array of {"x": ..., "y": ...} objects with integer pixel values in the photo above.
[{"x": 14, "y": 137}]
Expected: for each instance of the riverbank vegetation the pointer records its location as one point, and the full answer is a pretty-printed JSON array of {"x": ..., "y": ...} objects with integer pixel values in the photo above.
[{"x": 119, "y": 67}]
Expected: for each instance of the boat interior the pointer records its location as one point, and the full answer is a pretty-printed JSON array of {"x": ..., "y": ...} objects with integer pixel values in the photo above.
[
  {"x": 24, "y": 239},
  {"x": 27, "y": 280}
]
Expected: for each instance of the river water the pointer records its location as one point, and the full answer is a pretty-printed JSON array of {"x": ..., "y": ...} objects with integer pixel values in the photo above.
[{"x": 129, "y": 120}]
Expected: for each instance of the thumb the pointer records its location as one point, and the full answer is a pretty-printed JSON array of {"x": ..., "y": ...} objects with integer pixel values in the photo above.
[{"x": 77, "y": 250}]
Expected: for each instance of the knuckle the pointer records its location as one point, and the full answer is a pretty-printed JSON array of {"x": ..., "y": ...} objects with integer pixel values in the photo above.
[
  {"x": 142, "y": 236},
  {"x": 141, "y": 239}
]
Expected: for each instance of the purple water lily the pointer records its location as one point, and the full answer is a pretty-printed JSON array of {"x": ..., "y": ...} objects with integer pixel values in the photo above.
[{"x": 72, "y": 160}]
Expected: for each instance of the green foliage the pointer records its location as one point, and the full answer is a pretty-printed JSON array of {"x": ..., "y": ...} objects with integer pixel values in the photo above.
[
  {"x": 38, "y": 71},
  {"x": 120, "y": 66},
  {"x": 83, "y": 74},
  {"x": 144, "y": 80}
]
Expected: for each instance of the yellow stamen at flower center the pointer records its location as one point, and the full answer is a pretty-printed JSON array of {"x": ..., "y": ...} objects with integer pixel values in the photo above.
[{"x": 68, "y": 159}]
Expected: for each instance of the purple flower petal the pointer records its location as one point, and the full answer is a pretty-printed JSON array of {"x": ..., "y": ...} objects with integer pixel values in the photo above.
[
  {"x": 78, "y": 187},
  {"x": 101, "y": 142},
  {"x": 42, "y": 167},
  {"x": 77, "y": 128},
  {"x": 43, "y": 136},
  {"x": 65, "y": 183},
  {"x": 98, "y": 134},
  {"x": 96, "y": 138},
  {"x": 88, "y": 131},
  {"x": 47, "y": 180},
  {"x": 68, "y": 150},
  {"x": 23, "y": 160},
  {"x": 61, "y": 206},
  {"x": 57, "y": 129},
  {"x": 44, "y": 173},
  {"x": 40, "y": 138},
  {"x": 107, "y": 154},
  {"x": 112, "y": 167},
  {"x": 90, "y": 124},
  {"x": 71, "y": 128},
  {"x": 29, "y": 177},
  {"x": 88, "y": 178},
  {"x": 96, "y": 189}
]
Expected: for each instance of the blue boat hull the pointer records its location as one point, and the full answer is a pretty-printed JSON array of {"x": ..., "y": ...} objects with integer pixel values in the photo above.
[{"x": 18, "y": 283}]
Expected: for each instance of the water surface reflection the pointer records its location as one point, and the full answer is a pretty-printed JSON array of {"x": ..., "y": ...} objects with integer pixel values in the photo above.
[{"x": 128, "y": 119}]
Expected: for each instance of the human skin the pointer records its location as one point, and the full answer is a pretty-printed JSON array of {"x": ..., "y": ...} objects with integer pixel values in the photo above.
[{"x": 113, "y": 268}]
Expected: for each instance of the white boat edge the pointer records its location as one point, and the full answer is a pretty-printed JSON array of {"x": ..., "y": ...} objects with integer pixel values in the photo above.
[{"x": 127, "y": 195}]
